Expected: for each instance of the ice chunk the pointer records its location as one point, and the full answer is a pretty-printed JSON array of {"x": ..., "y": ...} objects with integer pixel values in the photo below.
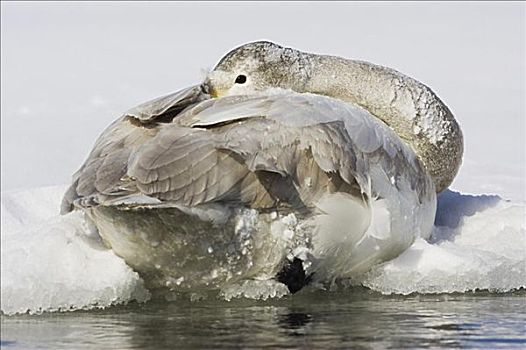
[
  {"x": 52, "y": 262},
  {"x": 254, "y": 289},
  {"x": 481, "y": 244}
]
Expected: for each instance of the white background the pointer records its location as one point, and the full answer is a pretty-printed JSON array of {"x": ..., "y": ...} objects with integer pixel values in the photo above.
[{"x": 69, "y": 69}]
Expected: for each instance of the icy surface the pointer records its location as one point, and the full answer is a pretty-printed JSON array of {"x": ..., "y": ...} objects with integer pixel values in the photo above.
[
  {"x": 255, "y": 290},
  {"x": 478, "y": 242},
  {"x": 52, "y": 262}
]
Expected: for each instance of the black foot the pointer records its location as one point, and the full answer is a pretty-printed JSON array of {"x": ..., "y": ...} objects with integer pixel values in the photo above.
[{"x": 293, "y": 276}]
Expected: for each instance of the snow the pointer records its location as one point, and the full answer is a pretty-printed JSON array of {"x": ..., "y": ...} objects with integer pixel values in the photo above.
[
  {"x": 478, "y": 242},
  {"x": 64, "y": 79},
  {"x": 51, "y": 262}
]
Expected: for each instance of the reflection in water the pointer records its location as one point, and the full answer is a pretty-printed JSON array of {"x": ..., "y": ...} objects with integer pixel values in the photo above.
[
  {"x": 358, "y": 319},
  {"x": 294, "y": 320}
]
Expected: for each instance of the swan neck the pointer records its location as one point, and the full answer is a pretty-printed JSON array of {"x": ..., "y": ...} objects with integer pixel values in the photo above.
[{"x": 409, "y": 107}]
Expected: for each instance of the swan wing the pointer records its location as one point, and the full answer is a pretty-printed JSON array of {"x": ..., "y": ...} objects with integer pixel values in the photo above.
[
  {"x": 169, "y": 105},
  {"x": 106, "y": 165},
  {"x": 259, "y": 151},
  {"x": 343, "y": 137}
]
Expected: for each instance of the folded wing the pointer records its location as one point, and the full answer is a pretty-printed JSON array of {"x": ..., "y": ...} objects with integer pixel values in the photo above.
[{"x": 262, "y": 151}]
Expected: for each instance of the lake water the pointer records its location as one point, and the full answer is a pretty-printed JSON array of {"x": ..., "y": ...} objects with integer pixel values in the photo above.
[{"x": 355, "y": 318}]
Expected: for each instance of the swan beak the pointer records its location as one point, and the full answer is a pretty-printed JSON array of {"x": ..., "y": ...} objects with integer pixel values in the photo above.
[{"x": 209, "y": 89}]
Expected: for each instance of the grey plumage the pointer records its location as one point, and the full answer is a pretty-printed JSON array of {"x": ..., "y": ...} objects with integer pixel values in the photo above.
[{"x": 196, "y": 160}]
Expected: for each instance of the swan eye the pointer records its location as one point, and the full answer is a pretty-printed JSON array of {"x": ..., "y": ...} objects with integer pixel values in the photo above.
[{"x": 241, "y": 79}]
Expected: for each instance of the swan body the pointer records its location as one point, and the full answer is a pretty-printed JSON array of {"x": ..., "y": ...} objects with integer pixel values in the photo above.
[{"x": 196, "y": 192}]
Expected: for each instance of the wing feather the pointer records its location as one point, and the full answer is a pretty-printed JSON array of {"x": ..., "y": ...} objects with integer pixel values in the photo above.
[{"x": 255, "y": 150}]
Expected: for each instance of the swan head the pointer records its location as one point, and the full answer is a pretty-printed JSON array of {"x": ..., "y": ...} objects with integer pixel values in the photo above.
[{"x": 259, "y": 66}]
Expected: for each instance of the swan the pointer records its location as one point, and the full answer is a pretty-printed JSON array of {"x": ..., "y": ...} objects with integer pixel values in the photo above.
[{"x": 282, "y": 167}]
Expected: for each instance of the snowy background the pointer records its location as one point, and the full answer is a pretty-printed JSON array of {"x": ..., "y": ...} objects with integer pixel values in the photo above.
[{"x": 69, "y": 69}]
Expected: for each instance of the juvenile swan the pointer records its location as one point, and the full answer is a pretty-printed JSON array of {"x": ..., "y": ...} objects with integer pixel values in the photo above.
[{"x": 280, "y": 168}]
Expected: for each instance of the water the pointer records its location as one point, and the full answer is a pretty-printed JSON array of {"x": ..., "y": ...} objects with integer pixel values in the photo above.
[{"x": 356, "y": 318}]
